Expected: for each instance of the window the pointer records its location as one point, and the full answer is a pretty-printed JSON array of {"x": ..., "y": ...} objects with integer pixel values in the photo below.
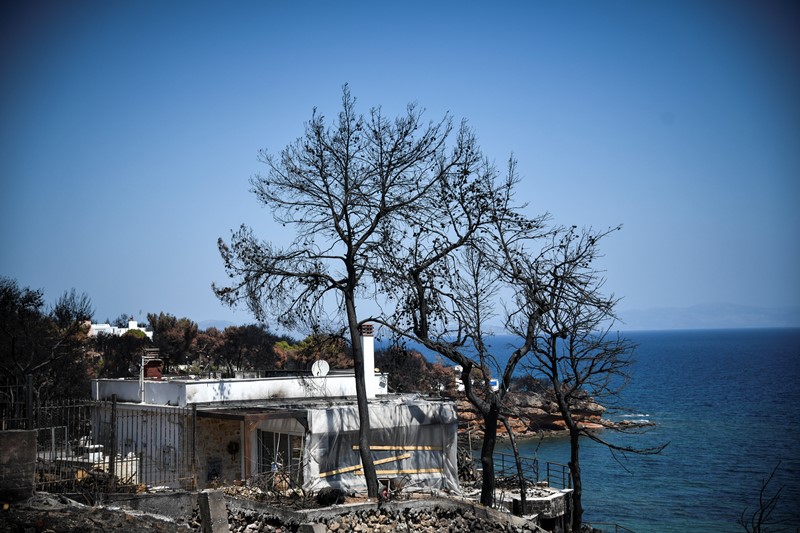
[{"x": 280, "y": 452}]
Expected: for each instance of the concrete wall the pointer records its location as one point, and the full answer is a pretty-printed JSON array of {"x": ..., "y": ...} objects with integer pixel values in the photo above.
[
  {"x": 259, "y": 389},
  {"x": 17, "y": 464},
  {"x": 182, "y": 392},
  {"x": 165, "y": 393},
  {"x": 176, "y": 505},
  {"x": 126, "y": 390}
]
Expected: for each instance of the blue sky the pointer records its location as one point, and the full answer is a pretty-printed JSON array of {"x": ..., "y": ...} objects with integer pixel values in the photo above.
[{"x": 130, "y": 129}]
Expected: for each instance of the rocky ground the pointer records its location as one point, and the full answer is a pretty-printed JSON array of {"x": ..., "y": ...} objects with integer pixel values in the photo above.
[
  {"x": 46, "y": 513},
  {"x": 50, "y": 513}
]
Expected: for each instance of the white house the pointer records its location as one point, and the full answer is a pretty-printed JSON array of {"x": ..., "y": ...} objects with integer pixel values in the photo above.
[{"x": 304, "y": 425}]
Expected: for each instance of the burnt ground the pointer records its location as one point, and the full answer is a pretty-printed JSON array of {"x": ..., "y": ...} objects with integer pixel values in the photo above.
[{"x": 49, "y": 513}]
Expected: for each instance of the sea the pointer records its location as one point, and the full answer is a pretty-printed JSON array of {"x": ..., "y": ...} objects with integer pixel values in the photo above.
[{"x": 726, "y": 403}]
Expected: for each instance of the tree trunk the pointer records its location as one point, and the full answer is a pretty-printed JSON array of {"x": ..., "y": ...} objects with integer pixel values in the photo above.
[
  {"x": 523, "y": 490},
  {"x": 574, "y": 452},
  {"x": 487, "y": 455},
  {"x": 370, "y": 475},
  {"x": 577, "y": 484}
]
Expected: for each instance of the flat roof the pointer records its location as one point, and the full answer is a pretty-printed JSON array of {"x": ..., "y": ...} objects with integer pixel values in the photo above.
[{"x": 300, "y": 405}]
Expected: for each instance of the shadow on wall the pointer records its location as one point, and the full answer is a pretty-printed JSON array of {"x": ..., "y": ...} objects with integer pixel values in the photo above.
[{"x": 222, "y": 391}]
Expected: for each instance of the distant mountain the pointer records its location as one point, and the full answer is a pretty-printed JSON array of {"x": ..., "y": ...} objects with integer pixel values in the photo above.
[
  {"x": 704, "y": 316},
  {"x": 710, "y": 316},
  {"x": 219, "y": 324}
]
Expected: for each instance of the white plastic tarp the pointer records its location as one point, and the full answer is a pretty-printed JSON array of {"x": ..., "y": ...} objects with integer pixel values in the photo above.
[{"x": 410, "y": 438}]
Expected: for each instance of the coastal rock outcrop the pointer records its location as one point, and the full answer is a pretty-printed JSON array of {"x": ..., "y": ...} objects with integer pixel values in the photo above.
[{"x": 528, "y": 414}]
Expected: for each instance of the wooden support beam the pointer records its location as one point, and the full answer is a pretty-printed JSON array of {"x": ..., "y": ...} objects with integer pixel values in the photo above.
[
  {"x": 248, "y": 426},
  {"x": 401, "y": 472},
  {"x": 403, "y": 448},
  {"x": 359, "y": 467}
]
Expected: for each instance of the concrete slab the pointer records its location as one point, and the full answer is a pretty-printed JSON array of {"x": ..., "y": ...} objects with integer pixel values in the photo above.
[{"x": 213, "y": 512}]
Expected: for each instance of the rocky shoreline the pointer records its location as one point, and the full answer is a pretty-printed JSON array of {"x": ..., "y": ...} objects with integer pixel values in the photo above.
[{"x": 530, "y": 415}]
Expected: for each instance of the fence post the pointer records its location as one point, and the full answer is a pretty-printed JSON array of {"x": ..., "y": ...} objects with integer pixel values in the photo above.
[
  {"x": 194, "y": 447},
  {"x": 29, "y": 401},
  {"x": 112, "y": 459}
]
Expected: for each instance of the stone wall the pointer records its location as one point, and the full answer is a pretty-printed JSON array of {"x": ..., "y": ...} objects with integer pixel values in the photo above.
[
  {"x": 180, "y": 506},
  {"x": 214, "y": 457},
  {"x": 17, "y": 464}
]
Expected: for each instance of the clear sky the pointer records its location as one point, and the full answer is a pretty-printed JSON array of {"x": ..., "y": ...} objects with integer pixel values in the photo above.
[{"x": 129, "y": 130}]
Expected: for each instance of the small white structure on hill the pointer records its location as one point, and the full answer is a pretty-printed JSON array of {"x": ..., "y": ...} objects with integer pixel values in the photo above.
[{"x": 108, "y": 329}]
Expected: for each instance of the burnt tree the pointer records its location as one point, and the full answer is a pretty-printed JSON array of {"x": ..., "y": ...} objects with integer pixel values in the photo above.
[
  {"x": 341, "y": 189},
  {"x": 443, "y": 275},
  {"x": 561, "y": 313}
]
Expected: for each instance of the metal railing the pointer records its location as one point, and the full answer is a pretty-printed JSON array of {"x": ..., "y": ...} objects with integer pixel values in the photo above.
[
  {"x": 558, "y": 476},
  {"x": 146, "y": 445},
  {"x": 555, "y": 474},
  {"x": 505, "y": 467},
  {"x": 16, "y": 406},
  {"x": 103, "y": 446}
]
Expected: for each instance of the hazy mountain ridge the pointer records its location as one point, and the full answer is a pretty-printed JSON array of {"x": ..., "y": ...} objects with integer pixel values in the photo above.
[
  {"x": 219, "y": 324},
  {"x": 710, "y": 316},
  {"x": 702, "y": 316}
]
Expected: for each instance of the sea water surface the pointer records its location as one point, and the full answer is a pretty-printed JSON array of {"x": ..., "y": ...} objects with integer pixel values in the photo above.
[{"x": 728, "y": 404}]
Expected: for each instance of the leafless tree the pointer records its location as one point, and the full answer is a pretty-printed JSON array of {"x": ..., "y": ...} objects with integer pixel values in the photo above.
[
  {"x": 344, "y": 189},
  {"x": 560, "y": 312},
  {"x": 444, "y": 277}
]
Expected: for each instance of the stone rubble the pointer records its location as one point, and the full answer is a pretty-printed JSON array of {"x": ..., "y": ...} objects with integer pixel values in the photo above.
[{"x": 386, "y": 519}]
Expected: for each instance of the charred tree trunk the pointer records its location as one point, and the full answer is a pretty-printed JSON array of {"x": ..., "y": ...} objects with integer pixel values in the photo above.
[
  {"x": 574, "y": 453},
  {"x": 518, "y": 460},
  {"x": 487, "y": 455},
  {"x": 370, "y": 474},
  {"x": 577, "y": 484}
]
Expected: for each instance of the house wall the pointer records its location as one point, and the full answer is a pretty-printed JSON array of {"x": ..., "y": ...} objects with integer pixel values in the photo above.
[
  {"x": 214, "y": 460},
  {"x": 126, "y": 390},
  {"x": 164, "y": 393},
  {"x": 205, "y": 391}
]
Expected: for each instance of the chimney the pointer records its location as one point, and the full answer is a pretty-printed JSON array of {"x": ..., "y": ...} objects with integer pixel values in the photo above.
[{"x": 368, "y": 346}]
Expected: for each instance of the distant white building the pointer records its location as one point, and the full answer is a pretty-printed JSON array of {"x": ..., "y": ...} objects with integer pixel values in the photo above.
[{"x": 108, "y": 329}]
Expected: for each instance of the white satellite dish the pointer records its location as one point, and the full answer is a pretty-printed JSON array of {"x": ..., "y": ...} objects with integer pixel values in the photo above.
[{"x": 320, "y": 368}]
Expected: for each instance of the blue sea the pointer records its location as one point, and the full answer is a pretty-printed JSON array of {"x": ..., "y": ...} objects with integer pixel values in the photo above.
[{"x": 728, "y": 404}]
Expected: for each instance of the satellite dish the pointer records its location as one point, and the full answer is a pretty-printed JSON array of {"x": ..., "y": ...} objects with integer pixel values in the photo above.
[{"x": 320, "y": 368}]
